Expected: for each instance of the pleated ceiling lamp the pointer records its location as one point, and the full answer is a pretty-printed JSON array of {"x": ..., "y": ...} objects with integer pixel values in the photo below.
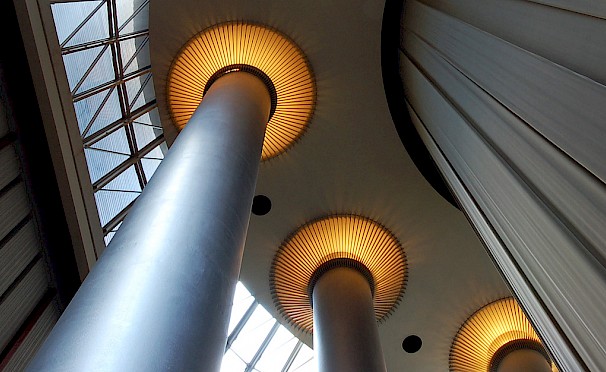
[
  {"x": 240, "y": 46},
  {"x": 332, "y": 241},
  {"x": 491, "y": 334}
]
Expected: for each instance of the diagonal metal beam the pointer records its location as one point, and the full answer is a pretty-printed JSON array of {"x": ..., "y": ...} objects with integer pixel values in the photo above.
[
  {"x": 292, "y": 356},
  {"x": 250, "y": 366},
  {"x": 111, "y": 128},
  {"x": 97, "y": 43},
  {"x": 70, "y": 36},
  {"x": 241, "y": 323},
  {"x": 113, "y": 83},
  {"x": 127, "y": 163}
]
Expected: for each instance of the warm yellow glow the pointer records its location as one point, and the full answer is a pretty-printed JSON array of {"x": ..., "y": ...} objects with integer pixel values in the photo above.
[
  {"x": 264, "y": 48},
  {"x": 343, "y": 236},
  {"x": 486, "y": 331}
]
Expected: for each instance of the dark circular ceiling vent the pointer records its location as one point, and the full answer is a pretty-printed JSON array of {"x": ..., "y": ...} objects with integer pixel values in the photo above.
[
  {"x": 261, "y": 205},
  {"x": 412, "y": 344}
]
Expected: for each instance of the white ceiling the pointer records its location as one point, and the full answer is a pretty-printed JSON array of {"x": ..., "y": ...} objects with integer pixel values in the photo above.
[{"x": 349, "y": 161}]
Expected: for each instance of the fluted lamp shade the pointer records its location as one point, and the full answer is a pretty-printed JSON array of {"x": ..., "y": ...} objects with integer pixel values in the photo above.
[
  {"x": 498, "y": 325},
  {"x": 349, "y": 237},
  {"x": 238, "y": 43}
]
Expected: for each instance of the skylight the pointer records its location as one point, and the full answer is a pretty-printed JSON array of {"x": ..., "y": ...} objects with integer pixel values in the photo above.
[
  {"x": 105, "y": 50},
  {"x": 109, "y": 75}
]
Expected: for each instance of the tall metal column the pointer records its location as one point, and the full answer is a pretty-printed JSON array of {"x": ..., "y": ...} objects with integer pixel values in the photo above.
[
  {"x": 345, "y": 334},
  {"x": 160, "y": 296},
  {"x": 526, "y": 360}
]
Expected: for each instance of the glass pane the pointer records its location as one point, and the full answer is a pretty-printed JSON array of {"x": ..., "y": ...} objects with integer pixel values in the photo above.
[
  {"x": 144, "y": 95},
  {"x": 110, "y": 203},
  {"x": 139, "y": 91},
  {"x": 101, "y": 73},
  {"x": 304, "y": 361},
  {"x": 231, "y": 362},
  {"x": 108, "y": 237},
  {"x": 77, "y": 63},
  {"x": 241, "y": 293},
  {"x": 149, "y": 167},
  {"x": 126, "y": 8},
  {"x": 150, "y": 118},
  {"x": 278, "y": 351},
  {"x": 102, "y": 162},
  {"x": 156, "y": 153},
  {"x": 87, "y": 108},
  {"x": 242, "y": 301},
  {"x": 68, "y": 16},
  {"x": 125, "y": 181},
  {"x": 253, "y": 334},
  {"x": 144, "y": 134},
  {"x": 135, "y": 53},
  {"x": 115, "y": 142},
  {"x": 110, "y": 113}
]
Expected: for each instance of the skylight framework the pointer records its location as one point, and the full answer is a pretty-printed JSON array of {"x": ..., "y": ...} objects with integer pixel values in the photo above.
[
  {"x": 105, "y": 50},
  {"x": 257, "y": 342}
]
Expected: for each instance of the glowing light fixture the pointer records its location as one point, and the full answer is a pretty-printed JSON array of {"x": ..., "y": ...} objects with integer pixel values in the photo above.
[
  {"x": 336, "y": 238},
  {"x": 497, "y": 326},
  {"x": 263, "y": 48}
]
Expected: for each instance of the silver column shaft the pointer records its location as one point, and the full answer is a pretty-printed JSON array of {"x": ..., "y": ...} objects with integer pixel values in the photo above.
[
  {"x": 346, "y": 337},
  {"x": 160, "y": 296}
]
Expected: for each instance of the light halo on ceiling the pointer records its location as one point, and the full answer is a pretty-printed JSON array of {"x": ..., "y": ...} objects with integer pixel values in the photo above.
[
  {"x": 324, "y": 240},
  {"x": 259, "y": 46},
  {"x": 489, "y": 329}
]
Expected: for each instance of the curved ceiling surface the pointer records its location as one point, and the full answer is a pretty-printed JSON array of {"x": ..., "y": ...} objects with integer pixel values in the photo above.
[{"x": 350, "y": 160}]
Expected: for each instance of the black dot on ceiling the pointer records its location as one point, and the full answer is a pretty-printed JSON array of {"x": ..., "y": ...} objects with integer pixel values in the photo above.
[
  {"x": 412, "y": 344},
  {"x": 261, "y": 205}
]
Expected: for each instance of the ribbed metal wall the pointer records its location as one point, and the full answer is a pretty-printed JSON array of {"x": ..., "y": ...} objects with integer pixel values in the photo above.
[
  {"x": 509, "y": 98},
  {"x": 33, "y": 339},
  {"x": 27, "y": 311}
]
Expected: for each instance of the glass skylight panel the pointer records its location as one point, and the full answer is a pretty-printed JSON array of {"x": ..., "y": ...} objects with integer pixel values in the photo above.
[
  {"x": 117, "y": 195},
  {"x": 150, "y": 166},
  {"x": 110, "y": 234},
  {"x": 304, "y": 361},
  {"x": 277, "y": 352},
  {"x": 112, "y": 203},
  {"x": 135, "y": 53},
  {"x": 108, "y": 113},
  {"x": 107, "y": 65},
  {"x": 133, "y": 15},
  {"x": 241, "y": 303},
  {"x": 101, "y": 162},
  {"x": 96, "y": 74},
  {"x": 145, "y": 134},
  {"x": 78, "y": 63},
  {"x": 126, "y": 181},
  {"x": 231, "y": 362},
  {"x": 253, "y": 334},
  {"x": 97, "y": 111},
  {"x": 150, "y": 118},
  {"x": 115, "y": 142},
  {"x": 80, "y": 22},
  {"x": 138, "y": 89}
]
